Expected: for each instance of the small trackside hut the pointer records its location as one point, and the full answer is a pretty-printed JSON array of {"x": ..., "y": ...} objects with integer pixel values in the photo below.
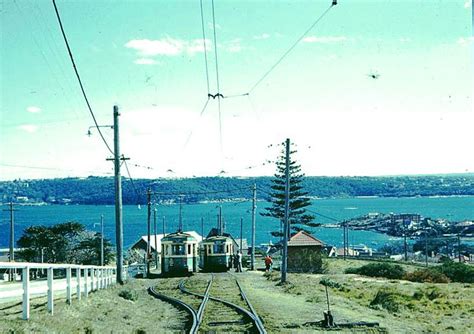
[{"x": 179, "y": 254}]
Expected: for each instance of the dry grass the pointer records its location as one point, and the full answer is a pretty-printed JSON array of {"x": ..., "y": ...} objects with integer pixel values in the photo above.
[{"x": 102, "y": 312}]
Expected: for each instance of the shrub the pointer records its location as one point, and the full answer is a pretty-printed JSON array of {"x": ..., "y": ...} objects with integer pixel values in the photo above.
[
  {"x": 457, "y": 272},
  {"x": 330, "y": 283},
  {"x": 426, "y": 275},
  {"x": 388, "y": 299},
  {"x": 128, "y": 295},
  {"x": 383, "y": 269}
]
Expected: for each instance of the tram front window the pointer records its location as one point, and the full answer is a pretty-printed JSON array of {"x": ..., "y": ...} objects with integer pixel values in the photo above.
[
  {"x": 178, "y": 250},
  {"x": 219, "y": 249}
]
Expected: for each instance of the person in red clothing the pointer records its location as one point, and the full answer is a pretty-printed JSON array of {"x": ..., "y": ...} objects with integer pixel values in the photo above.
[{"x": 268, "y": 263}]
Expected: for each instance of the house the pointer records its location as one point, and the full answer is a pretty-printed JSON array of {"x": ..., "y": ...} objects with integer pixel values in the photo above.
[
  {"x": 349, "y": 252},
  {"x": 304, "y": 253}
]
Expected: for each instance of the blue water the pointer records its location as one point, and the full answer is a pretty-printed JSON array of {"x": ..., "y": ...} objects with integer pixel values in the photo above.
[{"x": 135, "y": 219}]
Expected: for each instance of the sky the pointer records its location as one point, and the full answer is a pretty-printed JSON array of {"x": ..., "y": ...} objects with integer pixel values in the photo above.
[{"x": 377, "y": 87}]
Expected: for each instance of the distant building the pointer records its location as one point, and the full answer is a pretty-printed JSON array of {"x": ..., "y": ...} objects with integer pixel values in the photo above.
[
  {"x": 406, "y": 217},
  {"x": 304, "y": 253},
  {"x": 349, "y": 252}
]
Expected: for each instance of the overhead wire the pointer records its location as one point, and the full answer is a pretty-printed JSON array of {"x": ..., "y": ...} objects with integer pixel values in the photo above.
[
  {"x": 217, "y": 74},
  {"x": 205, "y": 50},
  {"x": 78, "y": 77},
  {"x": 288, "y": 51}
]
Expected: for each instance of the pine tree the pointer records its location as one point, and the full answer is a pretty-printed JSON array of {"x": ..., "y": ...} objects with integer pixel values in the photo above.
[{"x": 298, "y": 218}]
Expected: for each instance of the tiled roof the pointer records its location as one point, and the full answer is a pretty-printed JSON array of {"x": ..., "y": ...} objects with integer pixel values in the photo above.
[{"x": 304, "y": 239}]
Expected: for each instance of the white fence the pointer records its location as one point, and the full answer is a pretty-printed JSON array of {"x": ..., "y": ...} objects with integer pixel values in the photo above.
[{"x": 87, "y": 278}]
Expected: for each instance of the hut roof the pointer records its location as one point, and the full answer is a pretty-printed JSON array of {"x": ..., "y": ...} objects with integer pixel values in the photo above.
[{"x": 304, "y": 239}]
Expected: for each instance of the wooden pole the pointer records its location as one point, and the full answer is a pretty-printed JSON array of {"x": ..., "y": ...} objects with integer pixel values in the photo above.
[
  {"x": 284, "y": 262},
  {"x": 254, "y": 210}
]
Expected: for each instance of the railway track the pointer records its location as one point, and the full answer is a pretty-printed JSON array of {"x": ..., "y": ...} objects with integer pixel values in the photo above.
[{"x": 223, "y": 306}]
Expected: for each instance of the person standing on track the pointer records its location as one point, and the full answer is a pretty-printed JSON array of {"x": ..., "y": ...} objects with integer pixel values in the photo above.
[{"x": 238, "y": 267}]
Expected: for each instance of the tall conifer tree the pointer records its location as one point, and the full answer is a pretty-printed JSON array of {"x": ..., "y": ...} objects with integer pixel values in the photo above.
[{"x": 299, "y": 219}]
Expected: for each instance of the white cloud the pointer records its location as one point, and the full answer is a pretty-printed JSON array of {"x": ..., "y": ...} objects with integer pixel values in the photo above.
[
  {"x": 28, "y": 128},
  {"x": 468, "y": 4},
  {"x": 145, "y": 61},
  {"x": 465, "y": 40},
  {"x": 233, "y": 45},
  {"x": 33, "y": 109},
  {"x": 262, "y": 36},
  {"x": 165, "y": 47},
  {"x": 404, "y": 39},
  {"x": 324, "y": 39}
]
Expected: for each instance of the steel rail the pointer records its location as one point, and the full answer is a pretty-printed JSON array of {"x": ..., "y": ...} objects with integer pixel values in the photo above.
[
  {"x": 258, "y": 321},
  {"x": 195, "y": 323},
  {"x": 252, "y": 316}
]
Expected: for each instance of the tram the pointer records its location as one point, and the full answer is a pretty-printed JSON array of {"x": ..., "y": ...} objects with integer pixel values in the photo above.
[
  {"x": 179, "y": 254},
  {"x": 217, "y": 253}
]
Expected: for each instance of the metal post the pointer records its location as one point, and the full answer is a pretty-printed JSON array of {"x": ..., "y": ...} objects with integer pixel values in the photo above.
[
  {"x": 101, "y": 240},
  {"x": 11, "y": 257},
  {"x": 241, "y": 232},
  {"x": 155, "y": 231},
  {"x": 344, "y": 239},
  {"x": 221, "y": 229},
  {"x": 148, "y": 232},
  {"x": 284, "y": 262},
  {"x": 254, "y": 209},
  {"x": 459, "y": 247},
  {"x": 164, "y": 227},
  {"x": 202, "y": 227},
  {"x": 180, "y": 227},
  {"x": 118, "y": 198},
  {"x": 426, "y": 248},
  {"x": 405, "y": 244}
]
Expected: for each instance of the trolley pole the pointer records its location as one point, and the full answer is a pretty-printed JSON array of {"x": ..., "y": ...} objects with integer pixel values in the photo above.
[
  {"x": 164, "y": 227},
  {"x": 180, "y": 227},
  {"x": 284, "y": 262},
  {"x": 148, "y": 194},
  {"x": 254, "y": 209},
  {"x": 202, "y": 226},
  {"x": 102, "y": 240}
]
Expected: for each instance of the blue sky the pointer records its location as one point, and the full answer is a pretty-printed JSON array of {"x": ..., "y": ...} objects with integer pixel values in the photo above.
[{"x": 147, "y": 57}]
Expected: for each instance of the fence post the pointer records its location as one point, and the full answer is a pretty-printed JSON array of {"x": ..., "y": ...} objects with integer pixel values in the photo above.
[
  {"x": 68, "y": 287},
  {"x": 107, "y": 282},
  {"x": 26, "y": 293},
  {"x": 92, "y": 278},
  {"x": 50, "y": 290},
  {"x": 86, "y": 279},
  {"x": 78, "y": 278}
]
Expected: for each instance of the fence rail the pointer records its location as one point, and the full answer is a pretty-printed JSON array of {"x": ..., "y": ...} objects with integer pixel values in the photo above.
[{"x": 87, "y": 279}]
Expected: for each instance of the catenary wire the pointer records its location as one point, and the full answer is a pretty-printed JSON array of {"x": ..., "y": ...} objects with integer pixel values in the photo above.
[
  {"x": 289, "y": 50},
  {"x": 78, "y": 76},
  {"x": 205, "y": 49}
]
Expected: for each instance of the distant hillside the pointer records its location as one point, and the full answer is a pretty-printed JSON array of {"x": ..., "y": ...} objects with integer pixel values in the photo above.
[{"x": 100, "y": 190}]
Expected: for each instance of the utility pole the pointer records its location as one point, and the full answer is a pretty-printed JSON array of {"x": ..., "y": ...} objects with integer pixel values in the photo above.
[
  {"x": 202, "y": 226},
  {"x": 284, "y": 262},
  {"x": 344, "y": 239},
  {"x": 156, "y": 238},
  {"x": 180, "y": 227},
  {"x": 11, "y": 257},
  {"x": 102, "y": 240},
  {"x": 118, "y": 197},
  {"x": 241, "y": 232},
  {"x": 426, "y": 248},
  {"x": 148, "y": 196},
  {"x": 459, "y": 247},
  {"x": 164, "y": 227},
  {"x": 254, "y": 209},
  {"x": 405, "y": 241}
]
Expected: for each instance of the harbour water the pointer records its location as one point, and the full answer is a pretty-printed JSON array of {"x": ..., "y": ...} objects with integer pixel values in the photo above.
[{"x": 135, "y": 219}]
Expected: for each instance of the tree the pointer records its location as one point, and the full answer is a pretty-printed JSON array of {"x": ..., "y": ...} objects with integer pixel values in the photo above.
[
  {"x": 299, "y": 220},
  {"x": 62, "y": 243}
]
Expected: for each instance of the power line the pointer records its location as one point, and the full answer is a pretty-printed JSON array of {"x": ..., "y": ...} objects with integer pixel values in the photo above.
[
  {"x": 48, "y": 168},
  {"x": 132, "y": 182},
  {"x": 79, "y": 78},
  {"x": 290, "y": 49},
  {"x": 217, "y": 74},
  {"x": 205, "y": 50},
  {"x": 201, "y": 192}
]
